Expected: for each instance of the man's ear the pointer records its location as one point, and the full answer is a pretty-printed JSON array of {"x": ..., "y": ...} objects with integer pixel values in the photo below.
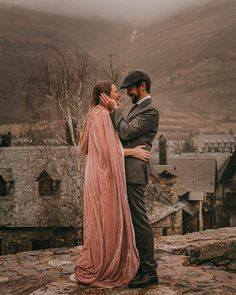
[{"x": 143, "y": 86}]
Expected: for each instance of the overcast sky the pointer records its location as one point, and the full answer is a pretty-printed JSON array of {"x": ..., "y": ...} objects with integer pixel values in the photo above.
[{"x": 134, "y": 10}]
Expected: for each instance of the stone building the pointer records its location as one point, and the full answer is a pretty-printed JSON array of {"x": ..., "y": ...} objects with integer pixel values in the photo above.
[
  {"x": 190, "y": 212},
  {"x": 39, "y": 198},
  {"x": 199, "y": 176},
  {"x": 167, "y": 199},
  {"x": 215, "y": 143},
  {"x": 165, "y": 212},
  {"x": 227, "y": 187}
]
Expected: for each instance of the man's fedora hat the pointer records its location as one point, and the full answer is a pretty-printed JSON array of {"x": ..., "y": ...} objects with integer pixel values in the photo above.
[{"x": 135, "y": 77}]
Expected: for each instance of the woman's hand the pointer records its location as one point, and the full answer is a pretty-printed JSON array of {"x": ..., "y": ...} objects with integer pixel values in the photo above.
[
  {"x": 140, "y": 153},
  {"x": 108, "y": 103}
]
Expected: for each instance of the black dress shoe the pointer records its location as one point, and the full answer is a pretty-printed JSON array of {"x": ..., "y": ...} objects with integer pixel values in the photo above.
[
  {"x": 137, "y": 277},
  {"x": 144, "y": 281}
]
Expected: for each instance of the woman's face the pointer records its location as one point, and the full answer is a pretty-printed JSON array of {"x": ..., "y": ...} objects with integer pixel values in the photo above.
[{"x": 114, "y": 93}]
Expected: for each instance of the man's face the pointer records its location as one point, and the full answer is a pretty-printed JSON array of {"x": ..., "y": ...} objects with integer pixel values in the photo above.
[{"x": 134, "y": 93}]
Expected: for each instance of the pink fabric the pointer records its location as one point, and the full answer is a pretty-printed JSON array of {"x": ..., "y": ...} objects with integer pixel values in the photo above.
[{"x": 109, "y": 257}]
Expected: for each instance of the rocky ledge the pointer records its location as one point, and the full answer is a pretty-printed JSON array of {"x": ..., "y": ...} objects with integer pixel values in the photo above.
[{"x": 197, "y": 263}]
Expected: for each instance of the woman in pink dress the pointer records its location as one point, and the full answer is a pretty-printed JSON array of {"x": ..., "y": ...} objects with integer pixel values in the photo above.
[{"x": 109, "y": 257}]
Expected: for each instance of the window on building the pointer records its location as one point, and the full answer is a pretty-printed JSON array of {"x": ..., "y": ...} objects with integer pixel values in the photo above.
[
  {"x": 47, "y": 186},
  {"x": 40, "y": 244},
  {"x": 6, "y": 182},
  {"x": 3, "y": 187},
  {"x": 209, "y": 200},
  {"x": 230, "y": 198},
  {"x": 1, "y": 247},
  {"x": 165, "y": 231}
]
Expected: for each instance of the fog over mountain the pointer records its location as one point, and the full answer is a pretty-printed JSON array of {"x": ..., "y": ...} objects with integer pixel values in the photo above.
[
  {"x": 187, "y": 47},
  {"x": 135, "y": 12}
]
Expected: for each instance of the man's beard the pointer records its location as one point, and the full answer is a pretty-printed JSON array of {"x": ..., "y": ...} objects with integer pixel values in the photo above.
[{"x": 135, "y": 97}]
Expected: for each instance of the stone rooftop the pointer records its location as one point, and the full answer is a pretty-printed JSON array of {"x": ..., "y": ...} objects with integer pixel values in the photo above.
[{"x": 197, "y": 263}]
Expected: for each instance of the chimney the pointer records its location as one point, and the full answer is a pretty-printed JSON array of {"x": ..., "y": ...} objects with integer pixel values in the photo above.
[
  {"x": 162, "y": 150},
  {"x": 5, "y": 140}
]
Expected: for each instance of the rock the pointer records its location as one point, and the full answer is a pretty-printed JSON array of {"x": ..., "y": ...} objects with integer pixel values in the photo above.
[
  {"x": 28, "y": 253},
  {"x": 76, "y": 249},
  {"x": 68, "y": 269},
  {"x": 53, "y": 275},
  {"x": 231, "y": 251},
  {"x": 57, "y": 263},
  {"x": 161, "y": 252},
  {"x": 212, "y": 250},
  {"x": 3, "y": 279},
  {"x": 232, "y": 266},
  {"x": 157, "y": 291},
  {"x": 24, "y": 271},
  {"x": 183, "y": 283},
  {"x": 43, "y": 267},
  {"x": 223, "y": 262},
  {"x": 194, "y": 260},
  {"x": 58, "y": 251}
]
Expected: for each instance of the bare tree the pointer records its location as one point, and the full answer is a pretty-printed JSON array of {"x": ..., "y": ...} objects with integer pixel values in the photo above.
[
  {"x": 57, "y": 88},
  {"x": 114, "y": 69}
]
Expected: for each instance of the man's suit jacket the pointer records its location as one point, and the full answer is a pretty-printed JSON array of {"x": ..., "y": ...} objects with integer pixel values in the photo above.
[{"x": 139, "y": 128}]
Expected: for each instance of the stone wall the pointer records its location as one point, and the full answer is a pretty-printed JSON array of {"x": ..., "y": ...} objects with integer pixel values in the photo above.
[
  {"x": 19, "y": 239},
  {"x": 210, "y": 247},
  {"x": 168, "y": 188},
  {"x": 163, "y": 208},
  {"x": 221, "y": 215},
  {"x": 170, "y": 225}
]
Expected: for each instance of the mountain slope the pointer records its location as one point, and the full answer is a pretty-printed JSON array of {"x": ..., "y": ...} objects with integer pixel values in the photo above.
[
  {"x": 27, "y": 34},
  {"x": 192, "y": 59}
]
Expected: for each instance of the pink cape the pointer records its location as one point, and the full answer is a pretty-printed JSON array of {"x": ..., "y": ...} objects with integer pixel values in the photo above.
[{"x": 109, "y": 257}]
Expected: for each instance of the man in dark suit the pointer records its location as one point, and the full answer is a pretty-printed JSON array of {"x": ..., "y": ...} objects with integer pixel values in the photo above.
[{"x": 139, "y": 128}]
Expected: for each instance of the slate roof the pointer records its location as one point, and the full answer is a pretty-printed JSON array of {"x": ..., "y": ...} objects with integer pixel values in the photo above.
[
  {"x": 190, "y": 208},
  {"x": 221, "y": 158},
  {"x": 159, "y": 207},
  {"x": 160, "y": 210},
  {"x": 158, "y": 169},
  {"x": 197, "y": 174},
  {"x": 228, "y": 169},
  {"x": 51, "y": 171}
]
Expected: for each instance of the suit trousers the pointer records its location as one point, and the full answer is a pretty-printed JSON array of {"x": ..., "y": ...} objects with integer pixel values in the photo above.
[{"x": 143, "y": 230}]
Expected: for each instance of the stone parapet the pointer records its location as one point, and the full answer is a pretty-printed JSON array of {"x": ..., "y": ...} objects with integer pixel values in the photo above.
[{"x": 46, "y": 272}]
